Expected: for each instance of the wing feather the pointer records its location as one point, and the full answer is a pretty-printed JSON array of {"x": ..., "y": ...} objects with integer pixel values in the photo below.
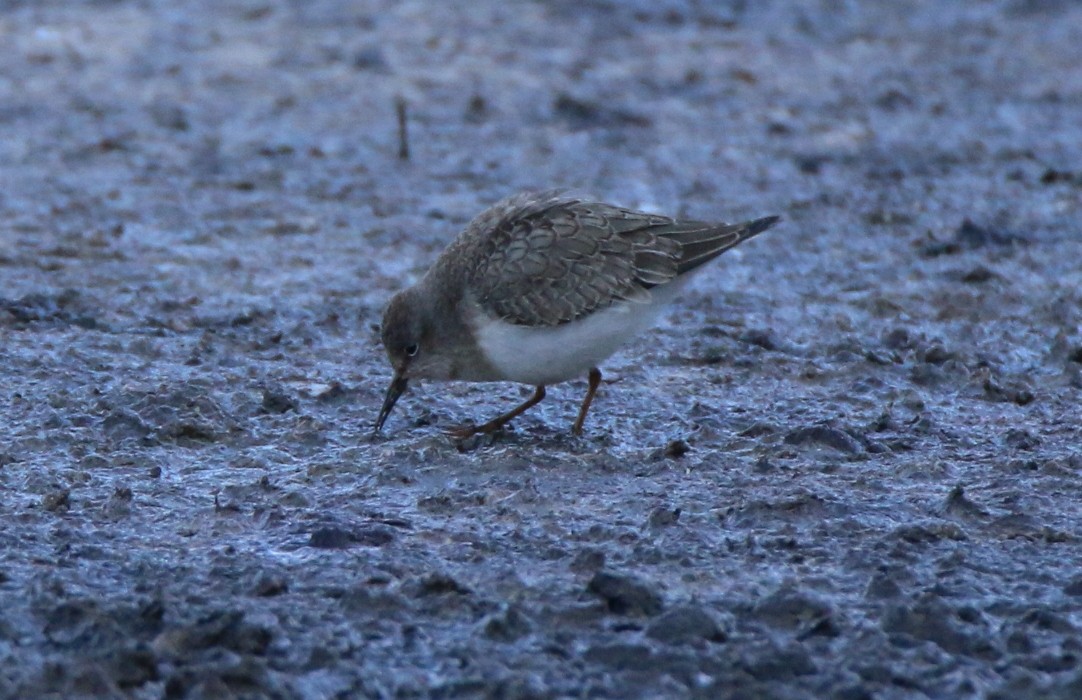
[{"x": 548, "y": 258}]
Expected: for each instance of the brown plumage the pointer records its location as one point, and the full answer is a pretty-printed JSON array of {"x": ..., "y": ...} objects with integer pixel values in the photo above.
[{"x": 542, "y": 259}]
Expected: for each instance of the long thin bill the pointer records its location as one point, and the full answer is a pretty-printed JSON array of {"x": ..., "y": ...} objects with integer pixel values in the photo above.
[{"x": 394, "y": 391}]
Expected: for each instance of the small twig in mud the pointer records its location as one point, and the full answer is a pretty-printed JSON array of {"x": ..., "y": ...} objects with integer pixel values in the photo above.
[{"x": 403, "y": 131}]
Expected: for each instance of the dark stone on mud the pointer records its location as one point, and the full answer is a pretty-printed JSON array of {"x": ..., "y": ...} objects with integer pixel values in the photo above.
[
  {"x": 824, "y": 435},
  {"x": 810, "y": 164},
  {"x": 185, "y": 414},
  {"x": 67, "y": 307},
  {"x": 762, "y": 338},
  {"x": 1011, "y": 392},
  {"x": 373, "y": 600},
  {"x": 81, "y": 623},
  {"x": 334, "y": 537},
  {"x": 971, "y": 236},
  {"x": 370, "y": 58},
  {"x": 57, "y": 501},
  {"x": 1051, "y": 621},
  {"x": 436, "y": 584},
  {"x": 929, "y": 532},
  {"x": 509, "y": 624},
  {"x": 792, "y": 608},
  {"x": 934, "y": 621},
  {"x": 84, "y": 679},
  {"x": 927, "y": 375},
  {"x": 169, "y": 115},
  {"x": 663, "y": 516},
  {"x": 974, "y": 236},
  {"x": 476, "y": 109},
  {"x": 853, "y": 692},
  {"x": 588, "y": 561},
  {"x": 521, "y": 687},
  {"x": 131, "y": 667},
  {"x": 677, "y": 448},
  {"x": 1051, "y": 176},
  {"x": 277, "y": 401},
  {"x": 622, "y": 655},
  {"x": 764, "y": 465},
  {"x": 778, "y": 663},
  {"x": 978, "y": 275},
  {"x": 641, "y": 659},
  {"x": 124, "y": 424},
  {"x": 335, "y": 393},
  {"x": 935, "y": 354},
  {"x": 882, "y": 585},
  {"x": 268, "y": 585},
  {"x": 582, "y": 114},
  {"x": 626, "y": 595},
  {"x": 958, "y": 504},
  {"x": 224, "y": 677},
  {"x": 374, "y": 535},
  {"x": 686, "y": 624},
  {"x": 1020, "y": 439},
  {"x": 1074, "y": 587},
  {"x": 898, "y": 338},
  {"x": 758, "y": 429},
  {"x": 226, "y": 629},
  {"x": 183, "y": 430}
]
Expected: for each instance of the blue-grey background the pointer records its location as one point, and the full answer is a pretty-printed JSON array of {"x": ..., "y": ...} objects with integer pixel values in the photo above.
[{"x": 846, "y": 465}]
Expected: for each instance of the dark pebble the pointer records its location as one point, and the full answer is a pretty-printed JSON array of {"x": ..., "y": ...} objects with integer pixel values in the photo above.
[
  {"x": 277, "y": 401},
  {"x": 268, "y": 585},
  {"x": 677, "y": 448},
  {"x": 1074, "y": 587},
  {"x": 225, "y": 629},
  {"x": 57, "y": 501},
  {"x": 508, "y": 625},
  {"x": 936, "y": 622},
  {"x": 588, "y": 561},
  {"x": 1021, "y": 439},
  {"x": 625, "y": 595},
  {"x": 792, "y": 608},
  {"x": 779, "y": 663},
  {"x": 882, "y": 585},
  {"x": 686, "y": 623},
  {"x": 824, "y": 435},
  {"x": 662, "y": 516},
  {"x": 331, "y": 538},
  {"x": 437, "y": 584}
]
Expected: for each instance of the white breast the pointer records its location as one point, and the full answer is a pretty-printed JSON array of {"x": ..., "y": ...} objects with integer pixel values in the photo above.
[{"x": 551, "y": 354}]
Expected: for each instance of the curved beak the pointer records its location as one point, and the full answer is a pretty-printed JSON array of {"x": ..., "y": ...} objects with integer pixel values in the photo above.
[{"x": 394, "y": 391}]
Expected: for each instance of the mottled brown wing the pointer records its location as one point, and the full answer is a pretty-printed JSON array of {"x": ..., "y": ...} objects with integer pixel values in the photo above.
[{"x": 548, "y": 259}]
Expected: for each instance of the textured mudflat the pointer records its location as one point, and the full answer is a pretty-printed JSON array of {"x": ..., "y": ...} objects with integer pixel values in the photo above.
[{"x": 847, "y": 465}]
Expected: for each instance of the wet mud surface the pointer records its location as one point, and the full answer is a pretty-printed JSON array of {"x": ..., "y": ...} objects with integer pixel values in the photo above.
[{"x": 846, "y": 465}]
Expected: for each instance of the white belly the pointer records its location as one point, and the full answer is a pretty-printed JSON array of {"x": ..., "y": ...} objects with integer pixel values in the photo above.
[{"x": 547, "y": 355}]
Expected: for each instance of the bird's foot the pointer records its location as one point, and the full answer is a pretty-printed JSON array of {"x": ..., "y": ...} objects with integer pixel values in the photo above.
[{"x": 462, "y": 432}]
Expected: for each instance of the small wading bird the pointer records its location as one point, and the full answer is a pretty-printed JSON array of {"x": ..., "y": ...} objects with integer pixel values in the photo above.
[{"x": 541, "y": 288}]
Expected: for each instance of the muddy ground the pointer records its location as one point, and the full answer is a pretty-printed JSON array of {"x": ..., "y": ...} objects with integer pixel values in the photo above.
[{"x": 846, "y": 465}]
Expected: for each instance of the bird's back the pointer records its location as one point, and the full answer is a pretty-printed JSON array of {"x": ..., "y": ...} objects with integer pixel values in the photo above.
[{"x": 546, "y": 259}]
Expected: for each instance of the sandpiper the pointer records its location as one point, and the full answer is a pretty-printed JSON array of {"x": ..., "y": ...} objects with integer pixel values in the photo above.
[{"x": 541, "y": 288}]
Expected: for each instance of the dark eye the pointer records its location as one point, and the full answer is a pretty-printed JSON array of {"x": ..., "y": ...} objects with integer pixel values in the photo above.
[{"x": 412, "y": 349}]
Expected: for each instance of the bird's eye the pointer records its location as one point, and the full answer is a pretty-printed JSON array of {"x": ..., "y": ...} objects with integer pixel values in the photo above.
[{"x": 412, "y": 349}]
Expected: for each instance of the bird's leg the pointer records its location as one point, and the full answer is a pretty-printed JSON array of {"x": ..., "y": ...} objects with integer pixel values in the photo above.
[
  {"x": 499, "y": 421},
  {"x": 595, "y": 381}
]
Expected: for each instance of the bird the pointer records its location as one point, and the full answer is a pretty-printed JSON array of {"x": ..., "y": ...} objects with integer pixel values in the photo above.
[{"x": 540, "y": 288}]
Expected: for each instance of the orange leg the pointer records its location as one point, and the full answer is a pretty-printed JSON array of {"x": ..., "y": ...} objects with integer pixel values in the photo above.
[
  {"x": 499, "y": 421},
  {"x": 595, "y": 381}
]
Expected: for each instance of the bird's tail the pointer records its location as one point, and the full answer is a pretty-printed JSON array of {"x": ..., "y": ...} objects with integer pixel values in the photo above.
[{"x": 701, "y": 242}]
